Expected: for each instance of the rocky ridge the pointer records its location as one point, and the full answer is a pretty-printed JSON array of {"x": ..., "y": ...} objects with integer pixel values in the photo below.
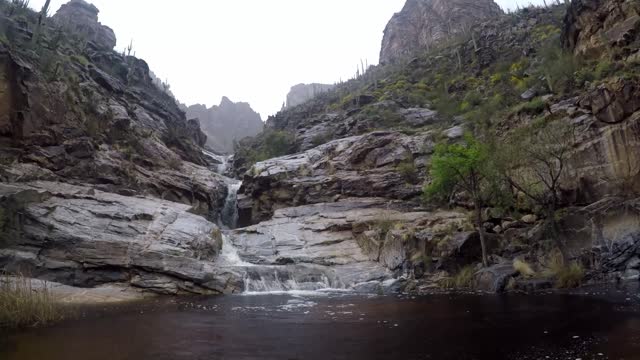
[
  {"x": 226, "y": 124},
  {"x": 301, "y": 93}
]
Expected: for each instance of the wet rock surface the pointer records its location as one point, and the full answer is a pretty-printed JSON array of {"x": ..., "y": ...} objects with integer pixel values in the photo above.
[{"x": 84, "y": 237}]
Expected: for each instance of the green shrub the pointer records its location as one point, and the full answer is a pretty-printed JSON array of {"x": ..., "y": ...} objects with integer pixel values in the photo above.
[
  {"x": 533, "y": 107},
  {"x": 21, "y": 304},
  {"x": 270, "y": 144},
  {"x": 559, "y": 68},
  {"x": 80, "y": 59},
  {"x": 408, "y": 171},
  {"x": 321, "y": 139}
]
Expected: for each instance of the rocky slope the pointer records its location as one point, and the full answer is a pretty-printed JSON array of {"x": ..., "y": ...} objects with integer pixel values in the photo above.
[
  {"x": 301, "y": 93},
  {"x": 103, "y": 177},
  {"x": 505, "y": 77},
  {"x": 424, "y": 23},
  {"x": 226, "y": 124}
]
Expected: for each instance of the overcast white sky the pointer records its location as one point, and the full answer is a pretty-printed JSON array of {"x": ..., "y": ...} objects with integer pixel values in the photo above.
[{"x": 249, "y": 50}]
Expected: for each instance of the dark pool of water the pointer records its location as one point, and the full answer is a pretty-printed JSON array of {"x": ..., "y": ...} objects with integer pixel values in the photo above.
[{"x": 436, "y": 327}]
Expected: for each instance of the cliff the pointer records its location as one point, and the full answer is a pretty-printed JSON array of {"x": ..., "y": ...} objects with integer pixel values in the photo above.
[
  {"x": 424, "y": 23},
  {"x": 226, "y": 124},
  {"x": 302, "y": 93},
  {"x": 98, "y": 164}
]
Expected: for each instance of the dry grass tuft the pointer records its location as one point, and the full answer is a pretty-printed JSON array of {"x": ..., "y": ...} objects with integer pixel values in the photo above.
[
  {"x": 523, "y": 268},
  {"x": 22, "y": 304},
  {"x": 462, "y": 280},
  {"x": 570, "y": 276}
]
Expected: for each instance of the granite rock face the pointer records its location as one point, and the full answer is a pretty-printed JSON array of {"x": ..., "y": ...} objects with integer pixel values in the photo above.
[
  {"x": 227, "y": 123},
  {"x": 83, "y": 237},
  {"x": 359, "y": 166},
  {"x": 354, "y": 243},
  {"x": 105, "y": 122},
  {"x": 81, "y": 17},
  {"x": 301, "y": 93},
  {"x": 424, "y": 23}
]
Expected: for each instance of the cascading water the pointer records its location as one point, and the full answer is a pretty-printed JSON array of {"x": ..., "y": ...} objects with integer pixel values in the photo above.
[
  {"x": 279, "y": 279},
  {"x": 221, "y": 160},
  {"x": 267, "y": 278},
  {"x": 229, "y": 215}
]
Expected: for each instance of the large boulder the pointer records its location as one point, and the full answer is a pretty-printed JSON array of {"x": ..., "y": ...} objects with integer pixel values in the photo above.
[
  {"x": 81, "y": 18},
  {"x": 80, "y": 236}
]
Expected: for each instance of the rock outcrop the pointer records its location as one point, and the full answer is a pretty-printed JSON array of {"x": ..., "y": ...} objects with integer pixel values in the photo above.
[
  {"x": 83, "y": 237},
  {"x": 302, "y": 93},
  {"x": 423, "y": 23},
  {"x": 379, "y": 164},
  {"x": 81, "y": 18},
  {"x": 92, "y": 116},
  {"x": 357, "y": 243},
  {"x": 226, "y": 124},
  {"x": 595, "y": 27},
  {"x": 103, "y": 180}
]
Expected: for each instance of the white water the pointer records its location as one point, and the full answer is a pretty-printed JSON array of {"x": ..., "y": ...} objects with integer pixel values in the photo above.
[
  {"x": 229, "y": 215},
  {"x": 269, "y": 279},
  {"x": 223, "y": 161},
  {"x": 230, "y": 256},
  {"x": 273, "y": 279}
]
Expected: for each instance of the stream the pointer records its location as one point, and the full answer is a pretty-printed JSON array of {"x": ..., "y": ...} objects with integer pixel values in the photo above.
[{"x": 308, "y": 325}]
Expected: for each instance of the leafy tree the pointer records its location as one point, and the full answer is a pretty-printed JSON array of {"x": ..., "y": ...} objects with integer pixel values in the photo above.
[
  {"x": 536, "y": 164},
  {"x": 464, "y": 167}
]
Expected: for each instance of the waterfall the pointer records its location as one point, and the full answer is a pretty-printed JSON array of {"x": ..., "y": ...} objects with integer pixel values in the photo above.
[
  {"x": 222, "y": 160},
  {"x": 268, "y": 278},
  {"x": 229, "y": 215},
  {"x": 283, "y": 279},
  {"x": 229, "y": 254}
]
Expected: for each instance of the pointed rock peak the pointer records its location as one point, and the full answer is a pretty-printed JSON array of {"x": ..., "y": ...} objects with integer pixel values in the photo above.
[{"x": 226, "y": 102}]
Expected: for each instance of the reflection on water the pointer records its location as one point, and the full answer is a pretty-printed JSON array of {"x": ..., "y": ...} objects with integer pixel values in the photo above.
[{"x": 343, "y": 326}]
